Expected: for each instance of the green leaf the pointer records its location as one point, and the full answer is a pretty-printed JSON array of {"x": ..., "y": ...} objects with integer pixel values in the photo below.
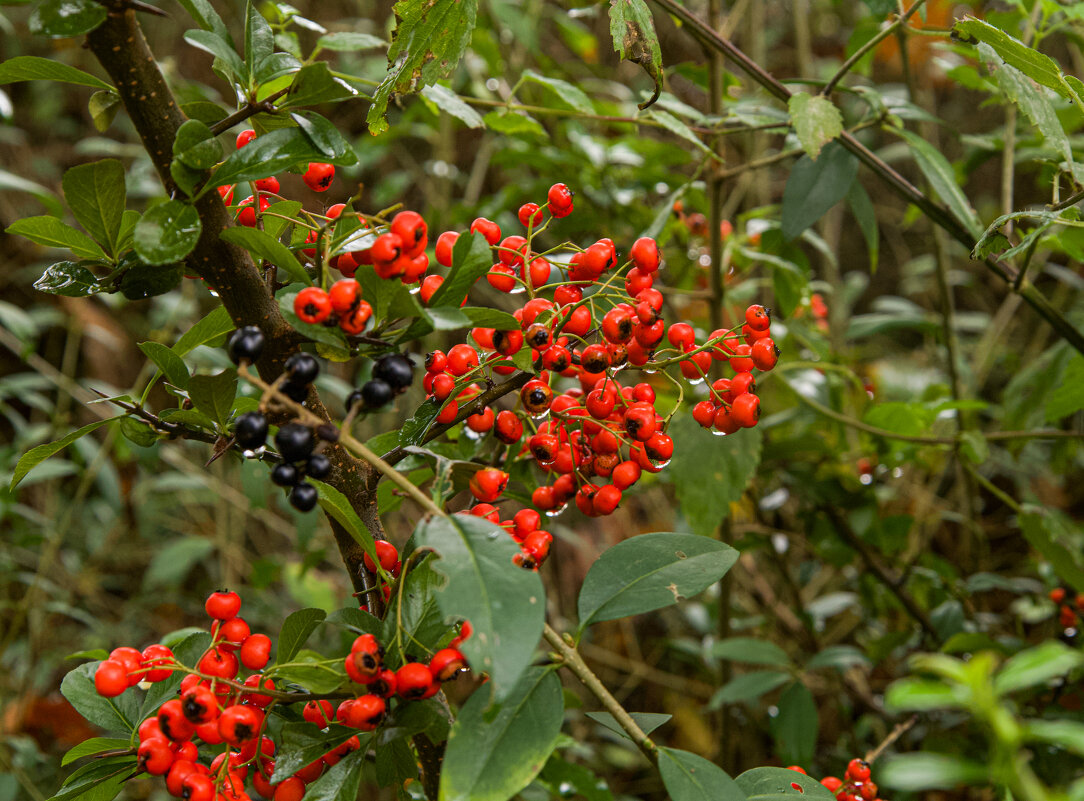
[
  {"x": 95, "y": 745},
  {"x": 1066, "y": 562},
  {"x": 514, "y": 123},
  {"x": 296, "y": 629},
  {"x": 35, "y": 456},
  {"x": 315, "y": 84},
  {"x": 571, "y": 96},
  {"x": 325, "y": 137},
  {"x": 647, "y": 721},
  {"x": 471, "y": 259},
  {"x": 259, "y": 39},
  {"x": 11, "y": 182},
  {"x": 506, "y": 607},
  {"x": 227, "y": 58},
  {"x": 171, "y": 564},
  {"x": 649, "y": 572},
  {"x": 51, "y": 232},
  {"x": 729, "y": 464},
  {"x": 767, "y": 784},
  {"x": 490, "y": 318},
  {"x": 95, "y": 192},
  {"x": 1068, "y": 396},
  {"x": 302, "y": 743},
  {"x": 196, "y": 146},
  {"x": 840, "y": 657},
  {"x": 922, "y": 771},
  {"x": 679, "y": 129},
  {"x": 69, "y": 279},
  {"x": 795, "y": 727},
  {"x": 1068, "y": 734},
  {"x": 188, "y": 652},
  {"x": 33, "y": 68},
  {"x": 814, "y": 187},
  {"x": 204, "y": 15},
  {"x": 688, "y": 777},
  {"x": 923, "y": 695},
  {"x": 213, "y": 394},
  {"x": 272, "y": 153},
  {"x": 338, "y": 507},
  {"x": 341, "y": 782},
  {"x": 141, "y": 281},
  {"x": 168, "y": 362},
  {"x": 413, "y": 430},
  {"x": 264, "y": 246},
  {"x": 492, "y": 757},
  {"x": 215, "y": 324},
  {"x": 59, "y": 19},
  {"x": 103, "y": 107},
  {"x": 314, "y": 677},
  {"x": 1038, "y": 665},
  {"x": 866, "y": 217},
  {"x": 167, "y": 232},
  {"x": 816, "y": 121},
  {"x": 429, "y": 39},
  {"x": 100, "y": 780},
  {"x": 449, "y": 102},
  {"x": 939, "y": 173},
  {"x": 633, "y": 32},
  {"x": 748, "y": 687},
  {"x": 750, "y": 651},
  {"x": 348, "y": 41},
  {"x": 111, "y": 714},
  {"x": 559, "y": 776},
  {"x": 1041, "y": 69}
]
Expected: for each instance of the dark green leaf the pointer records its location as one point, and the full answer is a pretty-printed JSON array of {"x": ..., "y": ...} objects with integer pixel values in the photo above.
[
  {"x": 68, "y": 278},
  {"x": 414, "y": 430},
  {"x": 559, "y": 775},
  {"x": 263, "y": 245},
  {"x": 314, "y": 84},
  {"x": 95, "y": 745},
  {"x": 795, "y": 727},
  {"x": 505, "y": 607},
  {"x": 215, "y": 324},
  {"x": 274, "y": 66},
  {"x": 471, "y": 259},
  {"x": 1068, "y": 396},
  {"x": 1039, "y": 531},
  {"x": 51, "y": 232},
  {"x": 167, "y": 232},
  {"x": 213, "y": 394},
  {"x": 429, "y": 39},
  {"x": 141, "y": 281},
  {"x": 651, "y": 571},
  {"x": 302, "y": 743},
  {"x": 296, "y": 629},
  {"x": 35, "y": 456},
  {"x": 337, "y": 506},
  {"x": 171, "y": 365},
  {"x": 138, "y": 432},
  {"x": 96, "y": 195},
  {"x": 325, "y": 137},
  {"x": 207, "y": 18},
  {"x": 112, "y": 714},
  {"x": 60, "y": 19},
  {"x": 864, "y": 214},
  {"x": 750, "y": 651},
  {"x": 1041, "y": 69},
  {"x": 33, "y": 68},
  {"x": 921, "y": 771},
  {"x": 227, "y": 58},
  {"x": 937, "y": 170},
  {"x": 689, "y": 777},
  {"x": 647, "y": 721},
  {"x": 100, "y": 780},
  {"x": 316, "y": 678},
  {"x": 679, "y": 129},
  {"x": 748, "y": 687},
  {"x": 272, "y": 153},
  {"x": 341, "y": 782},
  {"x": 633, "y": 33},
  {"x": 491, "y": 758},
  {"x": 259, "y": 38},
  {"x": 814, "y": 187},
  {"x": 449, "y": 102},
  {"x": 196, "y": 146},
  {"x": 768, "y": 784}
]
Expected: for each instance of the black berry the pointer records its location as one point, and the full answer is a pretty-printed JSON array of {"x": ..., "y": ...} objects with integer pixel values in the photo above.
[
  {"x": 302, "y": 368},
  {"x": 395, "y": 369},
  {"x": 245, "y": 344},
  {"x": 376, "y": 393},
  {"x": 353, "y": 399},
  {"x": 303, "y": 497},
  {"x": 295, "y": 442},
  {"x": 318, "y": 466},
  {"x": 285, "y": 475},
  {"x": 298, "y": 393},
  {"x": 250, "y": 430}
]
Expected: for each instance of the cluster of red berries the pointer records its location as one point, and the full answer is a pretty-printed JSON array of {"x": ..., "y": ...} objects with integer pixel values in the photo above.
[
  {"x": 855, "y": 785},
  {"x": 214, "y": 709},
  {"x": 524, "y": 527},
  {"x": 1068, "y": 616},
  {"x": 342, "y": 305}
]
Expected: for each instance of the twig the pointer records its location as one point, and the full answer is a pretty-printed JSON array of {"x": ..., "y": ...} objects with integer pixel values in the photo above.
[
  {"x": 897, "y": 732},
  {"x": 265, "y": 106},
  {"x": 885, "y": 32}
]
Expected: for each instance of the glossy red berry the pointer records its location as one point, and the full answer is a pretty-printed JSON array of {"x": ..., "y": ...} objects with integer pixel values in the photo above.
[
  {"x": 757, "y": 317},
  {"x": 764, "y": 354},
  {"x": 291, "y": 789},
  {"x": 367, "y": 712},
  {"x": 645, "y": 254},
  {"x": 462, "y": 358},
  {"x": 413, "y": 680},
  {"x": 157, "y": 658},
  {"x": 488, "y": 483},
  {"x": 559, "y": 200},
  {"x": 508, "y": 428},
  {"x": 746, "y": 410},
  {"x": 223, "y": 605},
  {"x": 386, "y": 553},
  {"x": 244, "y": 138},
  {"x": 239, "y": 724},
  {"x": 489, "y": 230},
  {"x": 318, "y": 177},
  {"x": 197, "y": 787},
  {"x": 110, "y": 678},
  {"x": 857, "y": 769},
  {"x": 199, "y": 704},
  {"x": 173, "y": 723},
  {"x": 530, "y": 215},
  {"x": 256, "y": 651},
  {"x": 344, "y": 295}
]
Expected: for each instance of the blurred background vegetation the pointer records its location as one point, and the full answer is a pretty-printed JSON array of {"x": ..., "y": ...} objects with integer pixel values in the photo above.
[{"x": 117, "y": 539}]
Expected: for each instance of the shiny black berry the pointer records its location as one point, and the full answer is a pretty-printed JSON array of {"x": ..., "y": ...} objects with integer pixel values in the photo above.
[
  {"x": 353, "y": 399},
  {"x": 376, "y": 393},
  {"x": 395, "y": 369},
  {"x": 298, "y": 393},
  {"x": 295, "y": 442},
  {"x": 302, "y": 368},
  {"x": 318, "y": 466},
  {"x": 250, "y": 430},
  {"x": 245, "y": 344},
  {"x": 285, "y": 475},
  {"x": 303, "y": 497}
]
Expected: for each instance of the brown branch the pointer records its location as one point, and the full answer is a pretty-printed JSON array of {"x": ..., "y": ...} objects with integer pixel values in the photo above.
[{"x": 120, "y": 47}]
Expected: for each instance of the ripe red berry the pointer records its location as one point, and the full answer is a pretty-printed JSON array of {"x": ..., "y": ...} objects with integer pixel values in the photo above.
[
  {"x": 858, "y": 770},
  {"x": 645, "y": 254},
  {"x": 508, "y": 428},
  {"x": 488, "y": 483},
  {"x": 411, "y": 228},
  {"x": 445, "y": 243},
  {"x": 199, "y": 704},
  {"x": 530, "y": 215},
  {"x": 446, "y": 664},
  {"x": 489, "y": 230},
  {"x": 173, "y": 723},
  {"x": 223, "y": 605},
  {"x": 746, "y": 410},
  {"x": 110, "y": 678},
  {"x": 413, "y": 680},
  {"x": 244, "y": 138},
  {"x": 626, "y": 474},
  {"x": 344, "y": 295},
  {"x": 367, "y": 712},
  {"x": 256, "y": 651},
  {"x": 198, "y": 787},
  {"x": 239, "y": 724},
  {"x": 606, "y": 499},
  {"x": 764, "y": 354},
  {"x": 741, "y": 361},
  {"x": 386, "y": 553},
  {"x": 318, "y": 177},
  {"x": 758, "y": 318},
  {"x": 462, "y": 358},
  {"x": 291, "y": 789},
  {"x": 559, "y": 200}
]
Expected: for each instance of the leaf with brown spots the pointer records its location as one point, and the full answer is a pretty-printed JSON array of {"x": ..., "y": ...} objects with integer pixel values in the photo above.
[{"x": 633, "y": 32}]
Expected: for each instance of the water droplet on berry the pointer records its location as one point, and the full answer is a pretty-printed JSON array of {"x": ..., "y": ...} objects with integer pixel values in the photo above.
[
  {"x": 695, "y": 381},
  {"x": 660, "y": 464},
  {"x": 556, "y": 510}
]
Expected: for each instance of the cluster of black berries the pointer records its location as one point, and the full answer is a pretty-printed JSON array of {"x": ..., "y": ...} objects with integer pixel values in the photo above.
[
  {"x": 296, "y": 444},
  {"x": 392, "y": 374}
]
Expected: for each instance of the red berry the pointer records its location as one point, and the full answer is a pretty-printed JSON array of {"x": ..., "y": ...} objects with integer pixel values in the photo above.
[
  {"x": 244, "y": 138},
  {"x": 386, "y": 553},
  {"x": 173, "y": 723},
  {"x": 488, "y": 483},
  {"x": 291, "y": 789},
  {"x": 411, "y": 228},
  {"x": 508, "y": 428},
  {"x": 157, "y": 657},
  {"x": 764, "y": 354},
  {"x": 462, "y": 359},
  {"x": 445, "y": 243},
  {"x": 857, "y": 769},
  {"x": 344, "y": 295},
  {"x": 256, "y": 651},
  {"x": 413, "y": 680},
  {"x": 223, "y": 605},
  {"x": 446, "y": 664},
  {"x": 239, "y": 724},
  {"x": 530, "y": 215},
  {"x": 746, "y": 410},
  {"x": 489, "y": 230},
  {"x": 559, "y": 200},
  {"x": 645, "y": 254},
  {"x": 198, "y": 787},
  {"x": 318, "y": 177},
  {"x": 110, "y": 678},
  {"x": 758, "y": 317}
]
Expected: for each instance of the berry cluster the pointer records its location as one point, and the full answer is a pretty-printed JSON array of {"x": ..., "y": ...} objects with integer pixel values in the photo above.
[
  {"x": 392, "y": 374},
  {"x": 855, "y": 785},
  {"x": 215, "y": 712},
  {"x": 1068, "y": 617}
]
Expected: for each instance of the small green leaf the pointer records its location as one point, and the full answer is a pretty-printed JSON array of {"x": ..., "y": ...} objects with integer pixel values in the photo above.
[
  {"x": 649, "y": 572},
  {"x": 571, "y": 96},
  {"x": 68, "y": 278},
  {"x": 167, "y": 232},
  {"x": 53, "y": 233},
  {"x": 103, "y": 107},
  {"x": 814, "y": 187},
  {"x": 750, "y": 651},
  {"x": 748, "y": 687},
  {"x": 296, "y": 629},
  {"x": 196, "y": 146},
  {"x": 449, "y": 102},
  {"x": 770, "y": 784},
  {"x": 795, "y": 727},
  {"x": 633, "y": 32},
  {"x": 348, "y": 41},
  {"x": 1038, "y": 665},
  {"x": 96, "y": 195},
  {"x": 34, "y": 68},
  {"x": 215, "y": 324},
  {"x": 513, "y": 123},
  {"x": 1068, "y": 396},
  {"x": 213, "y": 394},
  {"x": 1041, "y": 69},
  {"x": 680, "y": 129},
  {"x": 816, "y": 121},
  {"x": 338, "y": 507},
  {"x": 689, "y": 777},
  {"x": 227, "y": 58},
  {"x": 314, "y": 84},
  {"x": 937, "y": 170},
  {"x": 141, "y": 281},
  {"x": 922, "y": 771},
  {"x": 35, "y": 456},
  {"x": 429, "y": 39},
  {"x": 866, "y": 217},
  {"x": 264, "y": 246},
  {"x": 60, "y": 19},
  {"x": 492, "y": 757},
  {"x": 324, "y": 136},
  {"x": 1039, "y": 531},
  {"x": 924, "y": 695},
  {"x": 171, "y": 365},
  {"x": 647, "y": 721},
  {"x": 95, "y": 745},
  {"x": 840, "y": 657},
  {"x": 471, "y": 259}
]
